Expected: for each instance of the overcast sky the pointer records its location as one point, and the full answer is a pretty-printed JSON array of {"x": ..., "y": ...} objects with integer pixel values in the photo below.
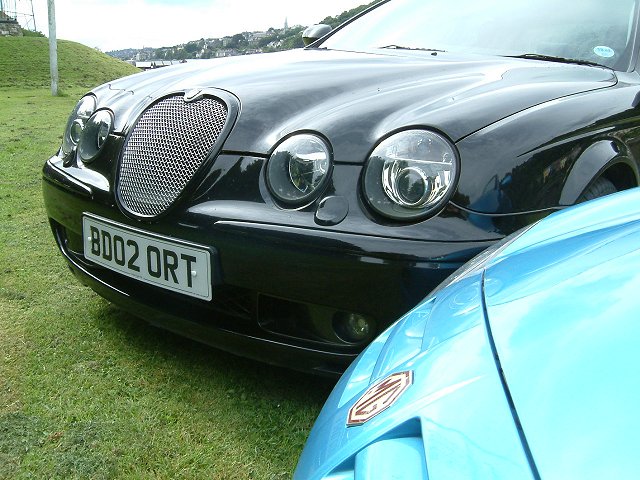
[{"x": 118, "y": 24}]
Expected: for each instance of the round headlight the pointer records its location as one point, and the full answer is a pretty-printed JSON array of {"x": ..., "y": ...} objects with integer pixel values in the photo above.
[
  {"x": 76, "y": 123},
  {"x": 411, "y": 174},
  {"x": 298, "y": 168},
  {"x": 95, "y": 134}
]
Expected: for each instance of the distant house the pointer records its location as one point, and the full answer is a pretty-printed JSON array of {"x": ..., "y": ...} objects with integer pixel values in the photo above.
[
  {"x": 9, "y": 27},
  {"x": 226, "y": 52},
  {"x": 255, "y": 36}
]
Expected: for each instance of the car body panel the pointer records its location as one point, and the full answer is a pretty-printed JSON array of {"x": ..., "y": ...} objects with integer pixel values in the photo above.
[
  {"x": 451, "y": 437},
  {"x": 328, "y": 90},
  {"x": 512, "y": 161},
  {"x": 250, "y": 255},
  {"x": 569, "y": 358},
  {"x": 555, "y": 309}
]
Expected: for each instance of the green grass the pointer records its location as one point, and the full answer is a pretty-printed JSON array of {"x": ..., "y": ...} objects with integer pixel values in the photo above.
[{"x": 87, "y": 391}]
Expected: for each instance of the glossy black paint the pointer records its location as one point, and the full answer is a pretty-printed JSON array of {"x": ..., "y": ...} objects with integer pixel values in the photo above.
[
  {"x": 544, "y": 157},
  {"x": 259, "y": 259},
  {"x": 531, "y": 136}
]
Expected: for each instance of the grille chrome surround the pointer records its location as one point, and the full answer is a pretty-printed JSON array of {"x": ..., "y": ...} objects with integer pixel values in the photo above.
[{"x": 168, "y": 144}]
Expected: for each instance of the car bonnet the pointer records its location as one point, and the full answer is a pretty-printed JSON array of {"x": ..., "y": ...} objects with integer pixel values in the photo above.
[
  {"x": 454, "y": 420},
  {"x": 354, "y": 99},
  {"x": 563, "y": 311}
]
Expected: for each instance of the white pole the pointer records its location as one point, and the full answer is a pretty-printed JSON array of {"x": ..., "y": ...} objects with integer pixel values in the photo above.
[
  {"x": 53, "y": 48},
  {"x": 33, "y": 15}
]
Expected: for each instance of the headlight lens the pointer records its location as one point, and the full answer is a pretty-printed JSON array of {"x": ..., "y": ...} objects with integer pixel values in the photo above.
[
  {"x": 76, "y": 123},
  {"x": 94, "y": 135},
  {"x": 411, "y": 174},
  {"x": 298, "y": 168}
]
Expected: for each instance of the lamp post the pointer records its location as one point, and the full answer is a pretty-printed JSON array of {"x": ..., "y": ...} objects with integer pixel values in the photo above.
[{"x": 53, "y": 48}]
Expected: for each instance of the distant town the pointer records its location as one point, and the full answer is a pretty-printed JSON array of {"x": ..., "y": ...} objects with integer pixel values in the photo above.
[{"x": 245, "y": 43}]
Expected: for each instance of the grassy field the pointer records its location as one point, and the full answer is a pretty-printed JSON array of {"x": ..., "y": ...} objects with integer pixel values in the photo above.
[{"x": 87, "y": 391}]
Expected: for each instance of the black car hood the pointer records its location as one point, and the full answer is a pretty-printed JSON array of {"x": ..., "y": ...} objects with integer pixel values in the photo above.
[{"x": 354, "y": 99}]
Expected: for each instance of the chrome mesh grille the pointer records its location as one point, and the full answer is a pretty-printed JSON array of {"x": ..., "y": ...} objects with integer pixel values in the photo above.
[{"x": 168, "y": 144}]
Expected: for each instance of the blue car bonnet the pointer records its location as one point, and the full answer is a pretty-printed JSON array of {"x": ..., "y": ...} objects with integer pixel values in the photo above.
[
  {"x": 523, "y": 365},
  {"x": 564, "y": 312}
]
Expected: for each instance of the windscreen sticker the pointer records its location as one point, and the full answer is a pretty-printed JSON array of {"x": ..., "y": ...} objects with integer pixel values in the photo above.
[{"x": 603, "y": 51}]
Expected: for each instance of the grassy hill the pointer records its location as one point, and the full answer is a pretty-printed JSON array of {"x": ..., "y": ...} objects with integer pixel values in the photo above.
[{"x": 24, "y": 62}]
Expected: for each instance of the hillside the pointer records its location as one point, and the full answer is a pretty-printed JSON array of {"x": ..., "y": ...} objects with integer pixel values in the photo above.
[{"x": 24, "y": 62}]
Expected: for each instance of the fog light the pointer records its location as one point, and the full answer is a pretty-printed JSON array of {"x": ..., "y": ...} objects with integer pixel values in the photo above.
[{"x": 352, "y": 327}]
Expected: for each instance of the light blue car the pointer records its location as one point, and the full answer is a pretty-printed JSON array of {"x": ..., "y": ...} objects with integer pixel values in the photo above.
[{"x": 524, "y": 365}]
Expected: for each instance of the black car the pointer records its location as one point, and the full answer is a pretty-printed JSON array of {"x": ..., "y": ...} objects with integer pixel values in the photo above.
[{"x": 289, "y": 206}]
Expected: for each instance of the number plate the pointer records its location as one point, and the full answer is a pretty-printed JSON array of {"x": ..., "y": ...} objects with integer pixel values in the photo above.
[{"x": 168, "y": 263}]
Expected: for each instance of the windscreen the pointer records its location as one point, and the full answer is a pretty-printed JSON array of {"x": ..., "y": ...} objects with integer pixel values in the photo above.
[{"x": 587, "y": 30}]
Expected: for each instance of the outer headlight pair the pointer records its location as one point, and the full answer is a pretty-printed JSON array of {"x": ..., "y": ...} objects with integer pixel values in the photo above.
[
  {"x": 87, "y": 130},
  {"x": 408, "y": 176}
]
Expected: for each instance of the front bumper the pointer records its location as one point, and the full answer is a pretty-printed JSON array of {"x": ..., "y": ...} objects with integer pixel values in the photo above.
[{"x": 276, "y": 287}]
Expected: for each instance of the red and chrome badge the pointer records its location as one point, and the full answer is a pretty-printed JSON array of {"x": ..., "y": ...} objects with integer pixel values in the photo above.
[{"x": 379, "y": 397}]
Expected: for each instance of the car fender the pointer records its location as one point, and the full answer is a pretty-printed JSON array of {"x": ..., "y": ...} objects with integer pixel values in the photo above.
[
  {"x": 520, "y": 164},
  {"x": 598, "y": 158}
]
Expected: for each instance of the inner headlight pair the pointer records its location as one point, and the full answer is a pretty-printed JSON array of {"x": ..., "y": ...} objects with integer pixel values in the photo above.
[
  {"x": 408, "y": 176},
  {"x": 87, "y": 130}
]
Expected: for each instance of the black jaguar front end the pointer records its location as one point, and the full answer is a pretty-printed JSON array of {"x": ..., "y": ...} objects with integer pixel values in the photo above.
[
  {"x": 275, "y": 255},
  {"x": 167, "y": 224},
  {"x": 288, "y": 207}
]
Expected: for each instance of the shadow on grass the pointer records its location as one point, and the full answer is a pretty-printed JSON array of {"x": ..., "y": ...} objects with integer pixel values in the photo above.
[{"x": 191, "y": 358}]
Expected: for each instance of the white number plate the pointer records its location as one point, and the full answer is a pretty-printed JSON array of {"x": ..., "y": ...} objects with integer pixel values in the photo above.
[{"x": 165, "y": 262}]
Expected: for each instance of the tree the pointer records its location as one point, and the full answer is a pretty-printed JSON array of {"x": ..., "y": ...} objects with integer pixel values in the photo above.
[{"x": 237, "y": 41}]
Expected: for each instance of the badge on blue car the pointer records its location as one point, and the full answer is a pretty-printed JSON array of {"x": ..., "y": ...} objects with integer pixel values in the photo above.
[{"x": 379, "y": 397}]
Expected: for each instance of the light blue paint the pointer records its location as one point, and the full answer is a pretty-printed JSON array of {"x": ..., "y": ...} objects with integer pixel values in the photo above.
[{"x": 562, "y": 301}]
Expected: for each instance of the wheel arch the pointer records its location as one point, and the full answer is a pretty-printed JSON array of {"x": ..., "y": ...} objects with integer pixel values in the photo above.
[{"x": 604, "y": 158}]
